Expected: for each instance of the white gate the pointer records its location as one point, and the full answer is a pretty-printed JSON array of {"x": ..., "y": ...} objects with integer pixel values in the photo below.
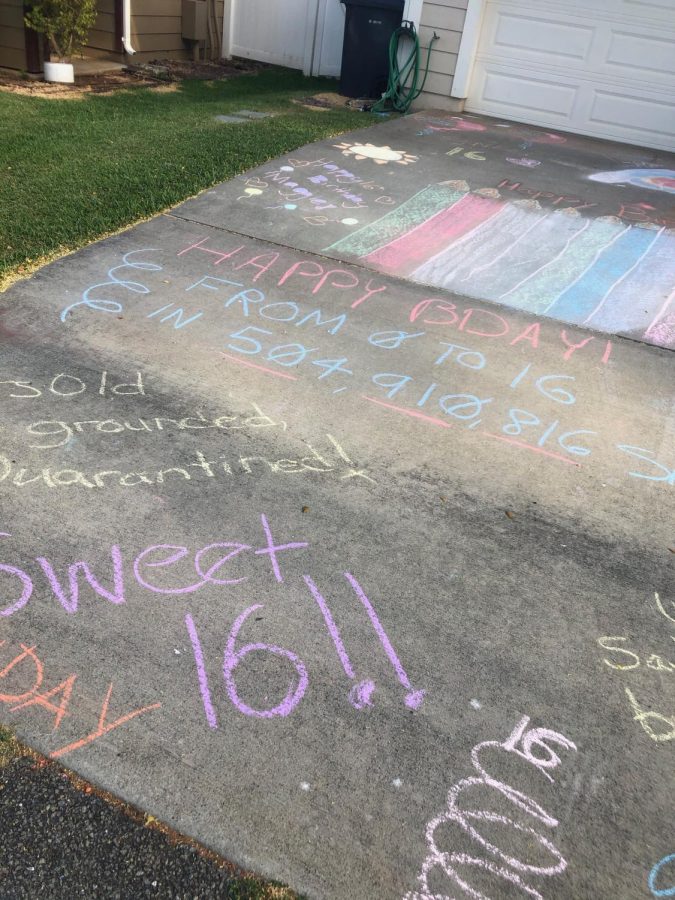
[{"x": 300, "y": 34}]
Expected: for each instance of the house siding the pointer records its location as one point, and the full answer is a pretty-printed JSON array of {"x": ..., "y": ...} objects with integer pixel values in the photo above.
[
  {"x": 156, "y": 29},
  {"x": 102, "y": 35},
  {"x": 446, "y": 19},
  {"x": 12, "y": 35},
  {"x": 156, "y": 32}
]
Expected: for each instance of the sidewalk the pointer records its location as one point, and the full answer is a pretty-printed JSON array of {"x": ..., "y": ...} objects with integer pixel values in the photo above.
[{"x": 364, "y": 584}]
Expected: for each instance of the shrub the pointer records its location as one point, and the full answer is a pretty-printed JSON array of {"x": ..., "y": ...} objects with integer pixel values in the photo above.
[{"x": 66, "y": 23}]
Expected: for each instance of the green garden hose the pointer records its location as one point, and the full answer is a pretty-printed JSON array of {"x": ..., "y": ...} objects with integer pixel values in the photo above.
[{"x": 400, "y": 92}]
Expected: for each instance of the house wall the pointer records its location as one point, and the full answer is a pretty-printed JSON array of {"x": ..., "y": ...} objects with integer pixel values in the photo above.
[
  {"x": 156, "y": 27},
  {"x": 102, "y": 35},
  {"x": 446, "y": 18},
  {"x": 12, "y": 37}
]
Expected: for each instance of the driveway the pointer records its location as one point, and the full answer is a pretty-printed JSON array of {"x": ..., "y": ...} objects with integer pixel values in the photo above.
[
  {"x": 557, "y": 225},
  {"x": 365, "y": 584}
]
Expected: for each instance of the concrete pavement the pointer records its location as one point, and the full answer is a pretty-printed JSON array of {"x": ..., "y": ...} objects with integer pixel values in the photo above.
[
  {"x": 365, "y": 586},
  {"x": 569, "y": 227}
]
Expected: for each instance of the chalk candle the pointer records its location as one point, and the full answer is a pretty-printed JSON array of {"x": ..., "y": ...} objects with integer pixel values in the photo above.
[{"x": 528, "y": 739}]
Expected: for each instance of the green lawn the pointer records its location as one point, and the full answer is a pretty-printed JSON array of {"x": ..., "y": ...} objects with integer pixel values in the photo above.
[{"x": 74, "y": 170}]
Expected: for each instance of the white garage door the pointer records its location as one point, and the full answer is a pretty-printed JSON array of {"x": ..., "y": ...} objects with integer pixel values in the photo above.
[{"x": 599, "y": 67}]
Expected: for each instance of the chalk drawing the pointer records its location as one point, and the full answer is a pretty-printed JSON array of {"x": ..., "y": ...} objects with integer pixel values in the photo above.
[
  {"x": 553, "y": 262},
  {"x": 662, "y": 330},
  {"x": 110, "y": 305},
  {"x": 648, "y": 716},
  {"x": 408, "y": 215},
  {"x": 149, "y": 570},
  {"x": 28, "y": 667},
  {"x": 662, "y": 609},
  {"x": 652, "y": 275},
  {"x": 655, "y": 661},
  {"x": 65, "y": 385},
  {"x": 652, "y": 179},
  {"x": 360, "y": 692},
  {"x": 233, "y": 658},
  {"x": 379, "y": 155},
  {"x": 654, "y": 876},
  {"x": 523, "y": 743},
  {"x": 524, "y": 161},
  {"x": 548, "y": 138}
]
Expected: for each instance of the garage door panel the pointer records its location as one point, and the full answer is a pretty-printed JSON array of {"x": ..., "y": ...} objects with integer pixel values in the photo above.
[
  {"x": 649, "y": 8},
  {"x": 515, "y": 32},
  {"x": 600, "y": 67},
  {"x": 615, "y": 110},
  {"x": 528, "y": 93},
  {"x": 653, "y": 56}
]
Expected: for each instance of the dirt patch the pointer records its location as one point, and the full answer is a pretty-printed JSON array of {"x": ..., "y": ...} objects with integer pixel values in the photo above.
[
  {"x": 331, "y": 100},
  {"x": 103, "y": 83},
  {"x": 182, "y": 70},
  {"x": 158, "y": 73}
]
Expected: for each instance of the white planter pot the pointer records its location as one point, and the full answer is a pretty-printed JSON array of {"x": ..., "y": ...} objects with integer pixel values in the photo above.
[{"x": 61, "y": 72}]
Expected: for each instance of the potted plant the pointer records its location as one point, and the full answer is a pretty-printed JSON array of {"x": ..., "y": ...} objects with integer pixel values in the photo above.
[{"x": 66, "y": 25}]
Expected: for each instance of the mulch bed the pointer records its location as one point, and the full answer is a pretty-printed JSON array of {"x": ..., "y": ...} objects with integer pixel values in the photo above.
[{"x": 157, "y": 71}]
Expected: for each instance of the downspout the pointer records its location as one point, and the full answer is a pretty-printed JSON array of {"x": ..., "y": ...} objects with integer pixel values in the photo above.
[{"x": 126, "y": 28}]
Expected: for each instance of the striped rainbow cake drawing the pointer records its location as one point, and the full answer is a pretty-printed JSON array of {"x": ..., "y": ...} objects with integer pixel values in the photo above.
[{"x": 602, "y": 273}]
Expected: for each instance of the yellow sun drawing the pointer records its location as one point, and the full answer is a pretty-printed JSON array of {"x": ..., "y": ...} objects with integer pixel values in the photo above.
[{"x": 379, "y": 155}]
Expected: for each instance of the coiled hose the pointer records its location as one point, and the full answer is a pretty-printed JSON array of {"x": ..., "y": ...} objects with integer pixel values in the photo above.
[{"x": 401, "y": 89}]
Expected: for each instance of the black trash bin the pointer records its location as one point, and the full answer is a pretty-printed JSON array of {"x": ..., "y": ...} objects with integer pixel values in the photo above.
[{"x": 369, "y": 25}]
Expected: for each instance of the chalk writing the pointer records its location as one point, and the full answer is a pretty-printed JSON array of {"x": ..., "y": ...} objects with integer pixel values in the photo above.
[
  {"x": 108, "y": 304},
  {"x": 661, "y": 606},
  {"x": 467, "y": 154},
  {"x": 621, "y": 658},
  {"x": 54, "y": 433},
  {"x": 68, "y": 385},
  {"x": 276, "y": 263},
  {"x": 657, "y": 726},
  {"x": 534, "y": 747},
  {"x": 629, "y": 659},
  {"x": 312, "y": 189},
  {"x": 157, "y": 558},
  {"x": 524, "y": 161},
  {"x": 517, "y": 422},
  {"x": 200, "y": 465},
  {"x": 360, "y": 692},
  {"x": 26, "y": 667},
  {"x": 484, "y": 323},
  {"x": 655, "y": 878}
]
